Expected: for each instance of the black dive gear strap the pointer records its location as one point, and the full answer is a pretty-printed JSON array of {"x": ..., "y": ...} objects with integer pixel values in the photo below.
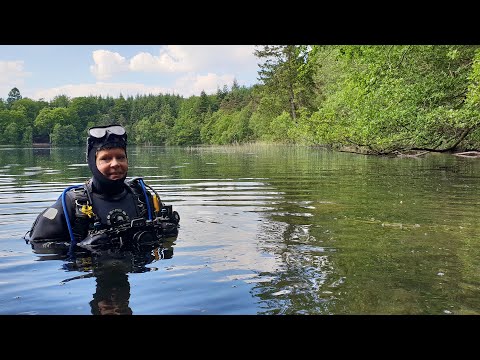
[{"x": 156, "y": 220}]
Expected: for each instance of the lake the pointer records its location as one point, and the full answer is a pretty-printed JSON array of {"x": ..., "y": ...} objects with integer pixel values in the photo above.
[{"x": 264, "y": 230}]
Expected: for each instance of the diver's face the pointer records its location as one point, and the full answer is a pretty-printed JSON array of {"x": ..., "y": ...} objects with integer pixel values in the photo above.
[{"x": 112, "y": 163}]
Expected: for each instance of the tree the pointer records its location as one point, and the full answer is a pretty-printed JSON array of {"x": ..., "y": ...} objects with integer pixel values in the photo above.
[
  {"x": 203, "y": 104},
  {"x": 31, "y": 108},
  {"x": 287, "y": 75},
  {"x": 60, "y": 101},
  {"x": 15, "y": 121},
  {"x": 221, "y": 93},
  {"x": 12, "y": 134},
  {"x": 383, "y": 99},
  {"x": 13, "y": 96},
  {"x": 64, "y": 135},
  {"x": 86, "y": 109},
  {"x": 48, "y": 118},
  {"x": 235, "y": 85},
  {"x": 121, "y": 111}
]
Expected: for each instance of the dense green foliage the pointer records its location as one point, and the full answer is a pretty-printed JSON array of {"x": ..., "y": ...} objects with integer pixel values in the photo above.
[
  {"x": 390, "y": 98},
  {"x": 377, "y": 99}
]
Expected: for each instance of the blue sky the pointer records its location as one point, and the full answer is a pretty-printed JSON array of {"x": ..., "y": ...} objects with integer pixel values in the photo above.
[{"x": 46, "y": 71}]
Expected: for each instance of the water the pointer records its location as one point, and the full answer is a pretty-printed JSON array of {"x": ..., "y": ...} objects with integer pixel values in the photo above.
[{"x": 264, "y": 230}]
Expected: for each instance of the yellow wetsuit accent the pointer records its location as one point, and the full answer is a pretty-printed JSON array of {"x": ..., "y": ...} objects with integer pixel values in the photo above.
[{"x": 87, "y": 210}]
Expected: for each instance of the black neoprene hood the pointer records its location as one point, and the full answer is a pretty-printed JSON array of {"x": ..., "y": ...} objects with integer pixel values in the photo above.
[{"x": 110, "y": 140}]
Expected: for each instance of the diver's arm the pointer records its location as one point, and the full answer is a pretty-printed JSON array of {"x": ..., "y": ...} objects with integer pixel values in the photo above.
[{"x": 50, "y": 224}]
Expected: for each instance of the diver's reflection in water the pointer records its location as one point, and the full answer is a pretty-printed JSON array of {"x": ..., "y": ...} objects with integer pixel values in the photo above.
[
  {"x": 112, "y": 294},
  {"x": 111, "y": 268}
]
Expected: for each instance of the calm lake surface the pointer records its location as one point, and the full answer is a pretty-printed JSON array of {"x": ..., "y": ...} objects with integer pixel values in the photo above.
[{"x": 263, "y": 230}]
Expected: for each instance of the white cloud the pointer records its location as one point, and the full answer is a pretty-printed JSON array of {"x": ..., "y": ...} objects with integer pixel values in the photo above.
[
  {"x": 172, "y": 59},
  {"x": 107, "y": 64},
  {"x": 194, "y": 84},
  {"x": 176, "y": 59},
  {"x": 12, "y": 75},
  {"x": 207, "y": 57}
]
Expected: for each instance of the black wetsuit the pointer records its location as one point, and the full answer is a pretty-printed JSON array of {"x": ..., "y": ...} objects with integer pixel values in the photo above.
[{"x": 112, "y": 210}]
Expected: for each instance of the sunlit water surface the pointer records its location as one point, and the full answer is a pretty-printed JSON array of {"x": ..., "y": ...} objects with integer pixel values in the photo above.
[{"x": 264, "y": 230}]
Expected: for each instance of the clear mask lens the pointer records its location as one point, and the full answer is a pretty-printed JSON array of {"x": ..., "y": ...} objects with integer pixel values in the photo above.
[{"x": 100, "y": 132}]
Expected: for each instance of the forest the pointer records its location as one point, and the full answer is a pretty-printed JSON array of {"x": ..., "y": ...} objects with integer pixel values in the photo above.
[{"x": 372, "y": 99}]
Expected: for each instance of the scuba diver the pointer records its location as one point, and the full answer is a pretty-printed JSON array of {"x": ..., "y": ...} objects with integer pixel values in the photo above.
[{"x": 108, "y": 209}]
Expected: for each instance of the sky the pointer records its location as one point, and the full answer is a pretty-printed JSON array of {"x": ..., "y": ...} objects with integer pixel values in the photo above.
[{"x": 47, "y": 71}]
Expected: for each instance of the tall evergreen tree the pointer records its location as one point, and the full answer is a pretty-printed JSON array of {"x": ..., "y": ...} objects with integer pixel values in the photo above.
[
  {"x": 203, "y": 103},
  {"x": 13, "y": 96},
  {"x": 286, "y": 74}
]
